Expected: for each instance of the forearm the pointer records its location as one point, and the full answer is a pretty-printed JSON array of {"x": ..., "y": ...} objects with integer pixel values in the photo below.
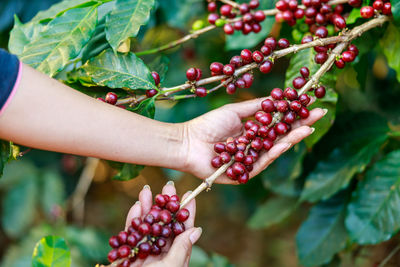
[{"x": 48, "y": 115}]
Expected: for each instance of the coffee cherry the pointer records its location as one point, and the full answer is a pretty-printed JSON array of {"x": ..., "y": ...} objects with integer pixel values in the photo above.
[
  {"x": 124, "y": 251},
  {"x": 299, "y": 13},
  {"x": 299, "y": 82},
  {"x": 295, "y": 105},
  {"x": 219, "y": 148},
  {"x": 310, "y": 12},
  {"x": 290, "y": 94},
  {"x": 271, "y": 134},
  {"x": 191, "y": 74},
  {"x": 377, "y": 5},
  {"x": 212, "y": 7},
  {"x": 182, "y": 215},
  {"x": 238, "y": 168},
  {"x": 225, "y": 157},
  {"x": 242, "y": 140},
  {"x": 229, "y": 69},
  {"x": 271, "y": 42},
  {"x": 268, "y": 106},
  {"x": 256, "y": 144},
  {"x": 339, "y": 22},
  {"x": 266, "y": 66},
  {"x": 212, "y": 18},
  {"x": 231, "y": 148},
  {"x": 112, "y": 255},
  {"x": 305, "y": 72},
  {"x": 113, "y": 242},
  {"x": 283, "y": 43},
  {"x": 144, "y": 250},
  {"x": 367, "y": 12},
  {"x": 178, "y": 228},
  {"x": 340, "y": 63},
  {"x": 320, "y": 92},
  {"x": 244, "y": 8},
  {"x": 355, "y": 3},
  {"x": 265, "y": 119},
  {"x": 149, "y": 219},
  {"x": 135, "y": 223},
  {"x": 236, "y": 61},
  {"x": 132, "y": 241},
  {"x": 304, "y": 113},
  {"x": 216, "y": 68},
  {"x": 243, "y": 178},
  {"x": 259, "y": 16},
  {"x": 156, "y": 229},
  {"x": 144, "y": 229},
  {"x": 266, "y": 50},
  {"x": 240, "y": 83},
  {"x": 339, "y": 9},
  {"x": 165, "y": 216},
  {"x": 248, "y": 125},
  {"x": 248, "y": 79},
  {"x": 348, "y": 56},
  {"x": 246, "y": 55},
  {"x": 122, "y": 236},
  {"x": 228, "y": 29},
  {"x": 354, "y": 49},
  {"x": 174, "y": 198},
  {"x": 289, "y": 117},
  {"x": 173, "y": 206},
  {"x": 307, "y": 39},
  {"x": 111, "y": 98},
  {"x": 282, "y": 106},
  {"x": 200, "y": 92},
  {"x": 155, "y": 250},
  {"x": 321, "y": 32},
  {"x": 166, "y": 232},
  {"x": 281, "y": 128},
  {"x": 257, "y": 56},
  {"x": 160, "y": 200},
  {"x": 247, "y": 28},
  {"x": 225, "y": 10},
  {"x": 387, "y": 8},
  {"x": 161, "y": 242},
  {"x": 156, "y": 77},
  {"x": 281, "y": 5},
  {"x": 320, "y": 58},
  {"x": 277, "y": 94},
  {"x": 253, "y": 4},
  {"x": 304, "y": 99},
  {"x": 256, "y": 27}
]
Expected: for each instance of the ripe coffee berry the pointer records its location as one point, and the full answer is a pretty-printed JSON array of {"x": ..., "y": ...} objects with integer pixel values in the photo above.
[
  {"x": 229, "y": 69},
  {"x": 290, "y": 93},
  {"x": 367, "y": 12},
  {"x": 212, "y": 7},
  {"x": 266, "y": 66},
  {"x": 340, "y": 63},
  {"x": 320, "y": 92},
  {"x": 231, "y": 88},
  {"x": 191, "y": 74},
  {"x": 305, "y": 72},
  {"x": 200, "y": 91},
  {"x": 248, "y": 79},
  {"x": 156, "y": 78},
  {"x": 387, "y": 8},
  {"x": 339, "y": 22},
  {"x": 268, "y": 106},
  {"x": 228, "y": 29},
  {"x": 277, "y": 94},
  {"x": 353, "y": 48},
  {"x": 246, "y": 56},
  {"x": 283, "y": 43},
  {"x": 321, "y": 32},
  {"x": 257, "y": 56},
  {"x": 320, "y": 58},
  {"x": 348, "y": 56},
  {"x": 216, "y": 68},
  {"x": 150, "y": 93},
  {"x": 299, "y": 82},
  {"x": 304, "y": 99},
  {"x": 271, "y": 42},
  {"x": 111, "y": 98}
]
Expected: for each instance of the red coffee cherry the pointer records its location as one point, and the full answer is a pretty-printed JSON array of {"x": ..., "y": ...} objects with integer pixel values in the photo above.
[
  {"x": 367, "y": 12},
  {"x": 111, "y": 98},
  {"x": 182, "y": 215},
  {"x": 320, "y": 92},
  {"x": 271, "y": 42},
  {"x": 191, "y": 74},
  {"x": 268, "y": 106},
  {"x": 266, "y": 67},
  {"x": 156, "y": 77}
]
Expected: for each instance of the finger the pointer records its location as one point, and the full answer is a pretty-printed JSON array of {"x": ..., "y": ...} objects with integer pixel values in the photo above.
[
  {"x": 135, "y": 211},
  {"x": 281, "y": 147},
  {"x": 146, "y": 199},
  {"x": 315, "y": 115},
  {"x": 169, "y": 189},
  {"x": 246, "y": 108},
  {"x": 191, "y": 206},
  {"x": 182, "y": 247}
]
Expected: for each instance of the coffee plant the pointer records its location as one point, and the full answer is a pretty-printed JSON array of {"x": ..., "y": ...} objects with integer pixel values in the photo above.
[{"x": 349, "y": 171}]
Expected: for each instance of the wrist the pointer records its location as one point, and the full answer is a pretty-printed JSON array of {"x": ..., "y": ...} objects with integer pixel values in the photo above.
[{"x": 176, "y": 156}]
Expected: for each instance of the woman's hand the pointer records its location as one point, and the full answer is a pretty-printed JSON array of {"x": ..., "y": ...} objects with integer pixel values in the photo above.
[
  {"x": 200, "y": 135},
  {"x": 178, "y": 253}
]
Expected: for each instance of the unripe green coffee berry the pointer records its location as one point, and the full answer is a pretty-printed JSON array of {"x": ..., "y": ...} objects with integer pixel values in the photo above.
[
  {"x": 331, "y": 29},
  {"x": 220, "y": 22},
  {"x": 198, "y": 25},
  {"x": 297, "y": 35}
]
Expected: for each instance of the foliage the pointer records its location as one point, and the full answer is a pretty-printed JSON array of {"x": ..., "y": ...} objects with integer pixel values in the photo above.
[{"x": 51, "y": 251}]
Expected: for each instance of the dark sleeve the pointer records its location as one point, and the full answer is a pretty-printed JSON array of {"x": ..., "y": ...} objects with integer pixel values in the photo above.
[{"x": 9, "y": 68}]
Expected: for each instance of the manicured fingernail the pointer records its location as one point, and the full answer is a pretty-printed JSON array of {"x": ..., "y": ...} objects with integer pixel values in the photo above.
[
  {"x": 170, "y": 183},
  {"x": 137, "y": 202},
  {"x": 312, "y": 129},
  {"x": 325, "y": 110},
  {"x": 195, "y": 235},
  {"x": 146, "y": 187}
]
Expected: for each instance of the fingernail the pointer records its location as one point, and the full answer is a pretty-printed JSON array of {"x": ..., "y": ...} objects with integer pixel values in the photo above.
[
  {"x": 146, "y": 187},
  {"x": 288, "y": 146},
  {"x": 137, "y": 202},
  {"x": 170, "y": 183},
  {"x": 195, "y": 235},
  {"x": 312, "y": 129},
  {"x": 325, "y": 110},
  {"x": 189, "y": 192}
]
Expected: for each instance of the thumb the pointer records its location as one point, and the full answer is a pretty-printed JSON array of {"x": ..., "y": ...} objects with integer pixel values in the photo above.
[{"x": 182, "y": 247}]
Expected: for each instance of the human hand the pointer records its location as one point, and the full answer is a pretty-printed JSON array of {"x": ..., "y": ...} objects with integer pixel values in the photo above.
[
  {"x": 216, "y": 126},
  {"x": 178, "y": 253}
]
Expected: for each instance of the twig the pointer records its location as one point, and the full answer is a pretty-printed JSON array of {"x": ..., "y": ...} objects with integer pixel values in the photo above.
[
  {"x": 388, "y": 257},
  {"x": 77, "y": 198},
  {"x": 195, "y": 34},
  {"x": 312, "y": 82}
]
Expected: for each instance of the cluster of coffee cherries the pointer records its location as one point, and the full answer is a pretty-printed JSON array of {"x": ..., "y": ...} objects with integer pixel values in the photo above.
[
  {"x": 347, "y": 56},
  {"x": 273, "y": 119},
  {"x": 249, "y": 22},
  {"x": 231, "y": 82},
  {"x": 378, "y": 6},
  {"x": 149, "y": 235},
  {"x": 316, "y": 13},
  {"x": 152, "y": 92}
]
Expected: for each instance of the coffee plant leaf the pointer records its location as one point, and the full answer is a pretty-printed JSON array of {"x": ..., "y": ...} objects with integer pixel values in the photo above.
[
  {"x": 22, "y": 34},
  {"x": 160, "y": 65},
  {"x": 119, "y": 71},
  {"x": 272, "y": 212},
  {"x": 127, "y": 171},
  {"x": 8, "y": 152},
  {"x": 57, "y": 9},
  {"x": 281, "y": 176},
  {"x": 98, "y": 43},
  {"x": 61, "y": 40},
  {"x": 373, "y": 215},
  {"x": 19, "y": 206},
  {"x": 178, "y": 13},
  {"x": 360, "y": 138},
  {"x": 396, "y": 11},
  {"x": 51, "y": 251},
  {"x": 323, "y": 233},
  {"x": 306, "y": 58},
  {"x": 390, "y": 44},
  {"x": 239, "y": 41},
  {"x": 125, "y": 20},
  {"x": 145, "y": 108},
  {"x": 353, "y": 16}
]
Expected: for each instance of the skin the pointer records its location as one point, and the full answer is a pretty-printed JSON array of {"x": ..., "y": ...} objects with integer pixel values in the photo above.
[{"x": 48, "y": 115}]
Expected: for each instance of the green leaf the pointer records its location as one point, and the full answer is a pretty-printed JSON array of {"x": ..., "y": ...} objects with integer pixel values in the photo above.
[
  {"x": 373, "y": 214},
  {"x": 61, "y": 40},
  {"x": 119, "y": 71},
  {"x": 125, "y": 20},
  {"x": 160, "y": 65},
  {"x": 51, "y": 251},
  {"x": 353, "y": 16},
  {"x": 58, "y": 8},
  {"x": 19, "y": 206},
  {"x": 323, "y": 234},
  {"x": 98, "y": 43},
  {"x": 396, "y": 10},
  {"x": 272, "y": 212},
  {"x": 239, "y": 41},
  {"x": 357, "y": 141},
  {"x": 8, "y": 152},
  {"x": 306, "y": 58},
  {"x": 390, "y": 44},
  {"x": 179, "y": 13},
  {"x": 127, "y": 171},
  {"x": 52, "y": 191},
  {"x": 22, "y": 34},
  {"x": 281, "y": 176},
  {"x": 146, "y": 108}
]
